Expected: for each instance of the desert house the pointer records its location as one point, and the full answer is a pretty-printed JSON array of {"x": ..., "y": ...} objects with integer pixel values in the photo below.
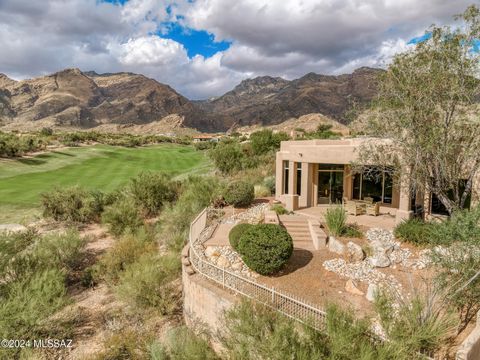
[
  {"x": 205, "y": 138},
  {"x": 311, "y": 173}
]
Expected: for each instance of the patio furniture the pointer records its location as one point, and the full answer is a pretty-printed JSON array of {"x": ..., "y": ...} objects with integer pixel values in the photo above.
[
  {"x": 354, "y": 207},
  {"x": 368, "y": 200},
  {"x": 373, "y": 209}
]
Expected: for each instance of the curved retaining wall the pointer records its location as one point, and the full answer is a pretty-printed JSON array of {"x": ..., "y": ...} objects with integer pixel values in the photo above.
[{"x": 204, "y": 303}]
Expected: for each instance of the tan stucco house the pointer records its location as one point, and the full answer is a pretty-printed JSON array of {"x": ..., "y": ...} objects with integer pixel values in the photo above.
[{"x": 318, "y": 172}]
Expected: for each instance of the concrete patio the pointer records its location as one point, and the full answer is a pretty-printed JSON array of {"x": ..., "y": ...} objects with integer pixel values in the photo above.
[{"x": 384, "y": 220}]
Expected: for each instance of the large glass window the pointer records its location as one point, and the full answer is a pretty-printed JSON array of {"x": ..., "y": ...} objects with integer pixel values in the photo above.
[
  {"x": 285, "y": 176},
  {"x": 379, "y": 187},
  {"x": 299, "y": 178},
  {"x": 437, "y": 206}
]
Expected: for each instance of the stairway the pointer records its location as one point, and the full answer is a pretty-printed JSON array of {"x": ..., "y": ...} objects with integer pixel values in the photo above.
[{"x": 297, "y": 227}]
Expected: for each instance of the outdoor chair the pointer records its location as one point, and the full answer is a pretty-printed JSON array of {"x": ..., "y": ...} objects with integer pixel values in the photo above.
[
  {"x": 373, "y": 209},
  {"x": 368, "y": 200},
  {"x": 354, "y": 207}
]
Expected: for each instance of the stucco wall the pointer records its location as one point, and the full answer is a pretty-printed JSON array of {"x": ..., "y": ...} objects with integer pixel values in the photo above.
[
  {"x": 470, "y": 349},
  {"x": 204, "y": 304}
]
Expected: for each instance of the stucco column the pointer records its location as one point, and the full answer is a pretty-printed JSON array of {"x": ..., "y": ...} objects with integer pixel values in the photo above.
[
  {"x": 278, "y": 177},
  {"x": 291, "y": 199},
  {"x": 305, "y": 199},
  {"x": 404, "y": 211},
  {"x": 347, "y": 182}
]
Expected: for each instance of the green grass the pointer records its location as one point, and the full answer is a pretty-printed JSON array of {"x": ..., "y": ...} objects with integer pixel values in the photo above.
[{"x": 99, "y": 167}]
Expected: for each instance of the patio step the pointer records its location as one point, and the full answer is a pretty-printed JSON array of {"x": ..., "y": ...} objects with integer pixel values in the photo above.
[{"x": 297, "y": 227}]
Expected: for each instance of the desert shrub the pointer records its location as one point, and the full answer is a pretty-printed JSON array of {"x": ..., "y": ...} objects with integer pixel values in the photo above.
[
  {"x": 30, "y": 301},
  {"x": 352, "y": 231},
  {"x": 414, "y": 231},
  {"x": 279, "y": 209},
  {"x": 457, "y": 270},
  {"x": 152, "y": 190},
  {"x": 73, "y": 204},
  {"x": 420, "y": 325},
  {"x": 236, "y": 232},
  {"x": 12, "y": 244},
  {"x": 122, "y": 215},
  {"x": 197, "y": 192},
  {"x": 227, "y": 156},
  {"x": 12, "y": 145},
  {"x": 261, "y": 191},
  {"x": 265, "y": 248},
  {"x": 125, "y": 252},
  {"x": 253, "y": 331},
  {"x": 125, "y": 344},
  {"x": 336, "y": 218},
  {"x": 239, "y": 193},
  {"x": 269, "y": 182},
  {"x": 46, "y": 131},
  {"x": 463, "y": 226},
  {"x": 265, "y": 140},
  {"x": 147, "y": 283},
  {"x": 182, "y": 344},
  {"x": 204, "y": 145}
]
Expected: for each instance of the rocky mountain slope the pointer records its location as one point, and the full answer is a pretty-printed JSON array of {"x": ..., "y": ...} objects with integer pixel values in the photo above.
[
  {"x": 72, "y": 98},
  {"x": 267, "y": 100}
]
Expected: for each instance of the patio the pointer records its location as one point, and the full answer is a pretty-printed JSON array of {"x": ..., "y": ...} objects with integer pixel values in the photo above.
[{"x": 384, "y": 220}]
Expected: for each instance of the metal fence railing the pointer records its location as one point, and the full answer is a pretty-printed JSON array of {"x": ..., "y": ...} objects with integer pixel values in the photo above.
[{"x": 287, "y": 304}]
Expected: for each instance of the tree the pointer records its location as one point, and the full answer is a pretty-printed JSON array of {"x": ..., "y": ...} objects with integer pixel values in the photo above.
[
  {"x": 227, "y": 156},
  {"x": 265, "y": 140},
  {"x": 426, "y": 106}
]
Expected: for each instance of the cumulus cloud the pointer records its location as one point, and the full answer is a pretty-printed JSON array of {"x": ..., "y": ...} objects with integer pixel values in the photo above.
[{"x": 283, "y": 38}]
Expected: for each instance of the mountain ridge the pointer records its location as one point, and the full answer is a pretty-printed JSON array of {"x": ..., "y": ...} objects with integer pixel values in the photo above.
[{"x": 87, "y": 99}]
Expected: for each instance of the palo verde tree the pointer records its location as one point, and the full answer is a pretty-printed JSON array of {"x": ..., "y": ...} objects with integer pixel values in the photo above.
[{"x": 427, "y": 106}]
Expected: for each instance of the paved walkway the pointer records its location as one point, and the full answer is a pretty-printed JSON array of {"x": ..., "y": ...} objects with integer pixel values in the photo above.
[
  {"x": 384, "y": 221},
  {"x": 220, "y": 236}
]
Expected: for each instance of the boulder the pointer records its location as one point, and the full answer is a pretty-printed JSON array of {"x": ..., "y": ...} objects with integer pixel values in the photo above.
[
  {"x": 355, "y": 252},
  {"x": 335, "y": 245},
  {"x": 211, "y": 251},
  {"x": 352, "y": 288},
  {"x": 380, "y": 261},
  {"x": 223, "y": 262},
  {"x": 371, "y": 292}
]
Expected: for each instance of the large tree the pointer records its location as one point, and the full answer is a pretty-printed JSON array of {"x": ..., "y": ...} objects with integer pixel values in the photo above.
[{"x": 428, "y": 107}]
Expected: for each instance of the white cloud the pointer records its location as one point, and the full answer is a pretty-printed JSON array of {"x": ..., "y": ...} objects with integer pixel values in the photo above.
[{"x": 283, "y": 38}]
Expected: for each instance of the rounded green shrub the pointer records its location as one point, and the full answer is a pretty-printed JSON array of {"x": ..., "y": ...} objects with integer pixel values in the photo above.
[
  {"x": 236, "y": 232},
  {"x": 265, "y": 248},
  {"x": 239, "y": 193}
]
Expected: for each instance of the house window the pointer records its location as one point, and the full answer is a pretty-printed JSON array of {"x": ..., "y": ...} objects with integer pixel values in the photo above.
[
  {"x": 437, "y": 207},
  {"x": 285, "y": 176},
  {"x": 299, "y": 178},
  {"x": 379, "y": 187}
]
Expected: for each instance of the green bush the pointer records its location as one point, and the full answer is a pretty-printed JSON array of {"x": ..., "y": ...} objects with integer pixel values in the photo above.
[
  {"x": 147, "y": 283},
  {"x": 261, "y": 191},
  {"x": 414, "y": 231},
  {"x": 236, "y": 232},
  {"x": 265, "y": 140},
  {"x": 73, "y": 204},
  {"x": 279, "y": 209},
  {"x": 336, "y": 219},
  {"x": 124, "y": 252},
  {"x": 239, "y": 193},
  {"x": 122, "y": 215},
  {"x": 182, "y": 344},
  {"x": 227, "y": 156},
  {"x": 352, "y": 231},
  {"x": 269, "y": 182},
  {"x": 265, "y": 248},
  {"x": 152, "y": 190}
]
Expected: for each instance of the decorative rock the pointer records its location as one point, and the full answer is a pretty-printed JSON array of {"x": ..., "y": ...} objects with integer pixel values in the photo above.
[
  {"x": 371, "y": 292},
  {"x": 380, "y": 261},
  {"x": 352, "y": 288},
  {"x": 211, "y": 251},
  {"x": 335, "y": 245},
  {"x": 355, "y": 252},
  {"x": 237, "y": 266},
  {"x": 223, "y": 262}
]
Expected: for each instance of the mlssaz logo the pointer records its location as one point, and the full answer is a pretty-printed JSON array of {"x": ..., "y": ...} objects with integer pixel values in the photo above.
[{"x": 52, "y": 343}]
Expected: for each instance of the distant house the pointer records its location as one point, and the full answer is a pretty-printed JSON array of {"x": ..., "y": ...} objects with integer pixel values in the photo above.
[{"x": 204, "y": 138}]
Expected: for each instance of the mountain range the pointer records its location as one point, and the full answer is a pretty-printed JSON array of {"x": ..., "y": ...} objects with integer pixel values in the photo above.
[{"x": 72, "y": 98}]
